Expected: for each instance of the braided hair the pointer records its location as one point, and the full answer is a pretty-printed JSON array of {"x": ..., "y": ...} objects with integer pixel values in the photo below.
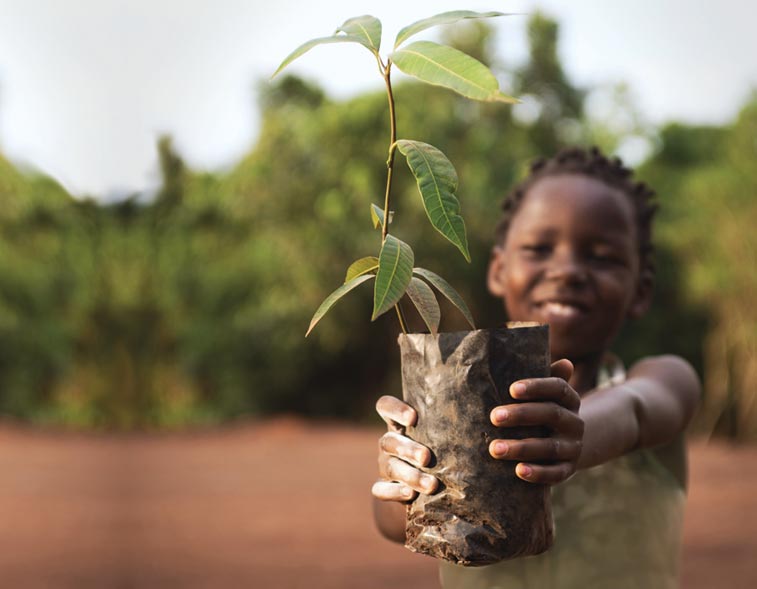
[{"x": 591, "y": 163}]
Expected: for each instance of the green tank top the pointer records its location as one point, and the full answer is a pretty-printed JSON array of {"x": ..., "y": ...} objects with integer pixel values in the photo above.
[{"x": 617, "y": 525}]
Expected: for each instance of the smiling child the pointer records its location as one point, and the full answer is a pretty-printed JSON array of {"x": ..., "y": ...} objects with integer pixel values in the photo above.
[{"x": 574, "y": 250}]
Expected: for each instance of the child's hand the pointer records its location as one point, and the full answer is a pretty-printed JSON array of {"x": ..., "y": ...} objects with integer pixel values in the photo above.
[
  {"x": 400, "y": 457},
  {"x": 547, "y": 460}
]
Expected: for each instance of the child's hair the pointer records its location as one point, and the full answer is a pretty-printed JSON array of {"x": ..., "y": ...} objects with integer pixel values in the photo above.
[{"x": 591, "y": 162}]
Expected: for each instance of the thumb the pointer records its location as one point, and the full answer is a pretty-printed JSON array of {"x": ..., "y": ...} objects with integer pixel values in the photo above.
[{"x": 562, "y": 369}]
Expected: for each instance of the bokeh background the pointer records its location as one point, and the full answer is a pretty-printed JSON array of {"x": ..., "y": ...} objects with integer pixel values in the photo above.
[
  {"x": 170, "y": 219},
  {"x": 184, "y": 302}
]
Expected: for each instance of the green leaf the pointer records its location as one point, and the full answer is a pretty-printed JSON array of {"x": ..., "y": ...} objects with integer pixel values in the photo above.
[
  {"x": 377, "y": 216},
  {"x": 424, "y": 300},
  {"x": 367, "y": 27},
  {"x": 444, "y": 287},
  {"x": 360, "y": 267},
  {"x": 448, "y": 67},
  {"x": 445, "y": 18},
  {"x": 334, "y": 297},
  {"x": 437, "y": 183},
  {"x": 305, "y": 47},
  {"x": 394, "y": 274}
]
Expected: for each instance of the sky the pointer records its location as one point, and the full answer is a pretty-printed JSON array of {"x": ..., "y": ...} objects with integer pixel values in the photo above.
[{"x": 87, "y": 86}]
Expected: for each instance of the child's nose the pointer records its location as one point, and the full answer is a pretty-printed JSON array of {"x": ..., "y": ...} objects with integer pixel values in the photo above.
[{"x": 567, "y": 266}]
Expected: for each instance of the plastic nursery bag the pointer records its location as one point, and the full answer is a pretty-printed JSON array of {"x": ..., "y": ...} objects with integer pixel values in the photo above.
[{"x": 482, "y": 512}]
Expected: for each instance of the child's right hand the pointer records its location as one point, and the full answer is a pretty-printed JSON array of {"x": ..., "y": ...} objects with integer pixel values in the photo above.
[{"x": 400, "y": 458}]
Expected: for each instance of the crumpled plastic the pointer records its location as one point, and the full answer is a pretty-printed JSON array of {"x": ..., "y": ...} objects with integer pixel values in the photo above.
[{"x": 482, "y": 512}]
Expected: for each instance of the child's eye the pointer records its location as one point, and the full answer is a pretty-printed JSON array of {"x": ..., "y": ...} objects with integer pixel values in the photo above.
[
  {"x": 537, "y": 249},
  {"x": 606, "y": 257}
]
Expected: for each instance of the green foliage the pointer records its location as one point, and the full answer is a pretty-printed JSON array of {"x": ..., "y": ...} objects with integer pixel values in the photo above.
[
  {"x": 394, "y": 272},
  {"x": 424, "y": 300},
  {"x": 362, "y": 266},
  {"x": 305, "y": 47},
  {"x": 368, "y": 28},
  {"x": 377, "y": 216},
  {"x": 331, "y": 300},
  {"x": 449, "y": 292},
  {"x": 189, "y": 308},
  {"x": 438, "y": 65},
  {"x": 444, "y": 66},
  {"x": 445, "y": 18},
  {"x": 709, "y": 179},
  {"x": 437, "y": 183}
]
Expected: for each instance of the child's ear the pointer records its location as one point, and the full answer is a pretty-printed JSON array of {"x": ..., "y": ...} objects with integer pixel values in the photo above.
[
  {"x": 495, "y": 272},
  {"x": 643, "y": 297}
]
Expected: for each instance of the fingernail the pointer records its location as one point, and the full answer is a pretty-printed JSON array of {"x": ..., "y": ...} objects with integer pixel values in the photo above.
[
  {"x": 407, "y": 492},
  {"x": 500, "y": 448},
  {"x": 523, "y": 471},
  {"x": 517, "y": 389},
  {"x": 500, "y": 415},
  {"x": 427, "y": 482}
]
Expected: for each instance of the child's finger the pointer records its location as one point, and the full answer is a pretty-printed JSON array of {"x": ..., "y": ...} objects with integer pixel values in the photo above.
[
  {"x": 542, "y": 474},
  {"x": 536, "y": 449},
  {"x": 392, "y": 491},
  {"x": 562, "y": 369},
  {"x": 396, "y": 413},
  {"x": 546, "y": 389},
  {"x": 394, "y": 469},
  {"x": 405, "y": 448},
  {"x": 551, "y": 415}
]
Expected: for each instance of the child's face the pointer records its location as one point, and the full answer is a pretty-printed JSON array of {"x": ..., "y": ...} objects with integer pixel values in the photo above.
[{"x": 570, "y": 259}]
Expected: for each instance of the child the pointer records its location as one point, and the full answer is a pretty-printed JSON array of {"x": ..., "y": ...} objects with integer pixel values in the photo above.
[{"x": 574, "y": 250}]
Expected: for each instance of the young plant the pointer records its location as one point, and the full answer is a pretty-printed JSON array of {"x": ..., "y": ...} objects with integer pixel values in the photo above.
[{"x": 393, "y": 270}]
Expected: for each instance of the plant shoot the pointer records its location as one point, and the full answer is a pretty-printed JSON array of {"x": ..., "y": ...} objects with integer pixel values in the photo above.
[{"x": 393, "y": 271}]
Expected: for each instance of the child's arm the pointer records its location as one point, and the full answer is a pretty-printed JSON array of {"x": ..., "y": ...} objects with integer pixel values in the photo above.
[{"x": 654, "y": 404}]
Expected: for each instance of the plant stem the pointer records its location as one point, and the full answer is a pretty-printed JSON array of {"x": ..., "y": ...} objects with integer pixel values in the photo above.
[
  {"x": 401, "y": 318},
  {"x": 392, "y": 141},
  {"x": 389, "y": 167}
]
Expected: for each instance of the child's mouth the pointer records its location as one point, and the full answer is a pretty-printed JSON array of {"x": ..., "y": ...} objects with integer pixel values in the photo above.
[{"x": 560, "y": 310}]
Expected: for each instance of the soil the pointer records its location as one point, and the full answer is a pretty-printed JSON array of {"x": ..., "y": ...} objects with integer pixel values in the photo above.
[{"x": 281, "y": 504}]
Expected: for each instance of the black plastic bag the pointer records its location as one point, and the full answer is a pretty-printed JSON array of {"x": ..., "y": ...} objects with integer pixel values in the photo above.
[{"x": 482, "y": 512}]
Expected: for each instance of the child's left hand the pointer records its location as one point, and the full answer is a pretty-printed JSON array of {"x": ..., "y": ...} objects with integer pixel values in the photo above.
[{"x": 550, "y": 402}]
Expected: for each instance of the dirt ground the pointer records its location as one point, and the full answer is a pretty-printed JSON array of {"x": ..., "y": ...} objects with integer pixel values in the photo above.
[{"x": 281, "y": 504}]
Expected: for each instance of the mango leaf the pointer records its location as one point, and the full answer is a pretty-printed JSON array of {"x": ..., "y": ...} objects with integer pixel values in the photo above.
[
  {"x": 377, "y": 216},
  {"x": 367, "y": 27},
  {"x": 334, "y": 297},
  {"x": 445, "y": 18},
  {"x": 424, "y": 300},
  {"x": 394, "y": 274},
  {"x": 305, "y": 47},
  {"x": 444, "y": 287},
  {"x": 437, "y": 182},
  {"x": 448, "y": 67},
  {"x": 360, "y": 267}
]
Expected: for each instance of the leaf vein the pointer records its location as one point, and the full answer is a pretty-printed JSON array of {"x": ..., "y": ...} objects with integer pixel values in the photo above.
[
  {"x": 446, "y": 69},
  {"x": 438, "y": 192}
]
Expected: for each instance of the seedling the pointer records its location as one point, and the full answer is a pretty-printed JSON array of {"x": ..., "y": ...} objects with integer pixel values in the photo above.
[{"x": 393, "y": 271}]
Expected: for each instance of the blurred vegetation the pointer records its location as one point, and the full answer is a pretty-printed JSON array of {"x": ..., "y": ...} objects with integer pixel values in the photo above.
[{"x": 190, "y": 307}]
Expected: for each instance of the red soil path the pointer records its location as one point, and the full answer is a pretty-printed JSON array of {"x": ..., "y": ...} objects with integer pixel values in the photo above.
[{"x": 276, "y": 505}]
